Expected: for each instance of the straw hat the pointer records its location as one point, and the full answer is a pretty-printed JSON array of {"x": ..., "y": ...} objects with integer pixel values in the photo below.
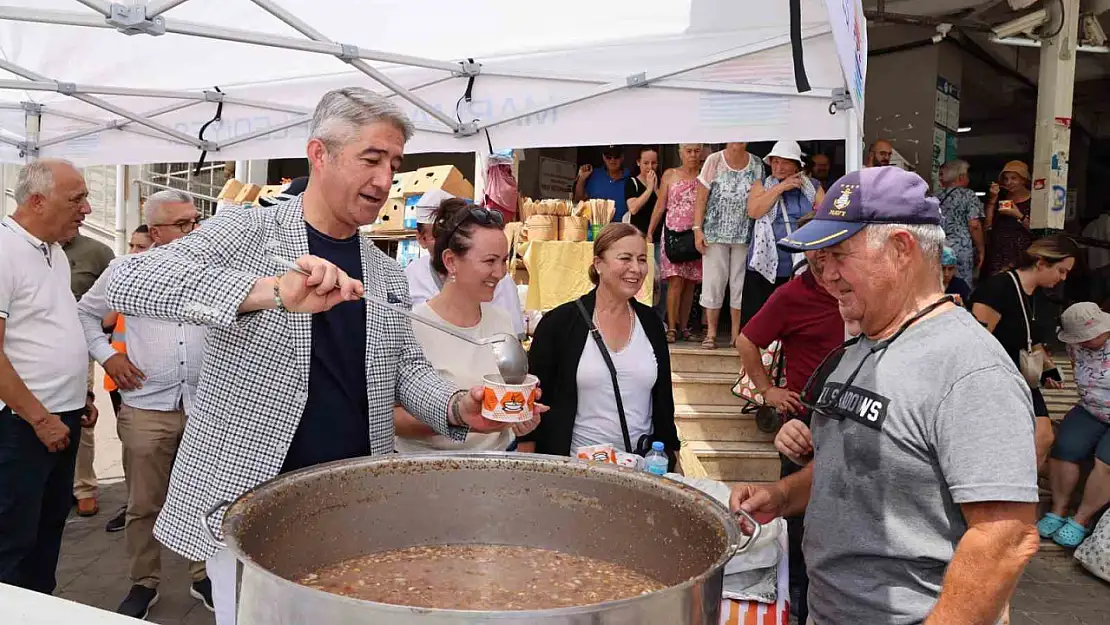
[
  {"x": 1082, "y": 322},
  {"x": 786, "y": 149},
  {"x": 1016, "y": 167}
]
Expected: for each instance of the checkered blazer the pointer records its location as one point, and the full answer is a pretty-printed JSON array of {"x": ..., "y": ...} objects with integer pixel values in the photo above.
[{"x": 253, "y": 386}]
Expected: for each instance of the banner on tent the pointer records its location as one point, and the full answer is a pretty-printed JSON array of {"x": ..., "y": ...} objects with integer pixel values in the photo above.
[{"x": 849, "y": 30}]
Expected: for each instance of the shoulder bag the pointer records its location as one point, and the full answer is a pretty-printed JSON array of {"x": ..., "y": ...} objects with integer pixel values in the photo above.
[
  {"x": 1030, "y": 362},
  {"x": 644, "y": 444}
]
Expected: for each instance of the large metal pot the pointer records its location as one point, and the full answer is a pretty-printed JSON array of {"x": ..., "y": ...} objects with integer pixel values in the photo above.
[{"x": 301, "y": 521}]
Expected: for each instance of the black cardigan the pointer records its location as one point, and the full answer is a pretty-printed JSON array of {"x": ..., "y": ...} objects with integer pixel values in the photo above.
[{"x": 553, "y": 358}]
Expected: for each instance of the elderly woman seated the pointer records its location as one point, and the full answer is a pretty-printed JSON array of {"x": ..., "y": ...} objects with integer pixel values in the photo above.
[{"x": 1085, "y": 431}]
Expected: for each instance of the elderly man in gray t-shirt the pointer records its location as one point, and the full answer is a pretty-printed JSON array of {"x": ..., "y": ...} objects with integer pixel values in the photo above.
[{"x": 921, "y": 497}]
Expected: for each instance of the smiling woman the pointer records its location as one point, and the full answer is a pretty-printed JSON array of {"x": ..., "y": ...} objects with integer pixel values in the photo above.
[
  {"x": 471, "y": 251},
  {"x": 586, "y": 407}
]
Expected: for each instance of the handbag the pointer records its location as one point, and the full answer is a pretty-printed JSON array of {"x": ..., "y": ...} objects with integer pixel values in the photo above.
[
  {"x": 1030, "y": 362},
  {"x": 643, "y": 445},
  {"x": 679, "y": 245}
]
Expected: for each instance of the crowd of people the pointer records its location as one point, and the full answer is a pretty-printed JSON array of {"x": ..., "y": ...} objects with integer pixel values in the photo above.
[{"x": 934, "y": 475}]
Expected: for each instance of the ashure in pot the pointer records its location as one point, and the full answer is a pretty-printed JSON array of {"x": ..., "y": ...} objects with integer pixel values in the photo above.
[{"x": 299, "y": 522}]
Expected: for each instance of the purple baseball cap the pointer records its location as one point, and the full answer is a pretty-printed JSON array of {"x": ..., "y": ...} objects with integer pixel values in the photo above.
[{"x": 877, "y": 195}]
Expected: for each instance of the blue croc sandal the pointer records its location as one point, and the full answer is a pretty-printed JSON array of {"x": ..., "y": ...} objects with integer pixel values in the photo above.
[
  {"x": 1071, "y": 534},
  {"x": 1050, "y": 524}
]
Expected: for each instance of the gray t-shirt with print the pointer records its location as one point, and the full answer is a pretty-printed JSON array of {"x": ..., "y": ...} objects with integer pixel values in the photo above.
[{"x": 940, "y": 418}]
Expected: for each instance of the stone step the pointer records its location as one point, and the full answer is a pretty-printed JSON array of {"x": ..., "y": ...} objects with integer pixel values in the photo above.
[
  {"x": 705, "y": 389},
  {"x": 691, "y": 358},
  {"x": 737, "y": 461},
  {"x": 718, "y": 423}
]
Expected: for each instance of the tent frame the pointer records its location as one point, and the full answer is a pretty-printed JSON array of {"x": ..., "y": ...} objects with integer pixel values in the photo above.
[{"x": 148, "y": 20}]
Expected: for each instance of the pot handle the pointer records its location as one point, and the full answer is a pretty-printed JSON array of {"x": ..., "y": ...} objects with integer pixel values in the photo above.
[
  {"x": 208, "y": 516},
  {"x": 744, "y": 546}
]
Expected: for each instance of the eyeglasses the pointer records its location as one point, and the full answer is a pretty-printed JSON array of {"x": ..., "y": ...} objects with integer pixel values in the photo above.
[
  {"x": 184, "y": 225},
  {"x": 481, "y": 215},
  {"x": 825, "y": 403}
]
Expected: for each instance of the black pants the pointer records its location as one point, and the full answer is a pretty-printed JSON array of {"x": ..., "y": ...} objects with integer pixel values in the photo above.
[
  {"x": 795, "y": 532},
  {"x": 757, "y": 290},
  {"x": 36, "y": 490}
]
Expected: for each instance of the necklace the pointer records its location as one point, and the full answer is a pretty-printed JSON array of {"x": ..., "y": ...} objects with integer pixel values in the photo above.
[{"x": 631, "y": 328}]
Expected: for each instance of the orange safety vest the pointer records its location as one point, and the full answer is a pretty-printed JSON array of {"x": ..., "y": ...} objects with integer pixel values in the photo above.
[{"x": 118, "y": 335}]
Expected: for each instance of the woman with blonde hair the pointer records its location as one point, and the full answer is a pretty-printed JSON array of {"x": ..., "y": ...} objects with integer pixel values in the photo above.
[
  {"x": 1004, "y": 304},
  {"x": 587, "y": 406}
]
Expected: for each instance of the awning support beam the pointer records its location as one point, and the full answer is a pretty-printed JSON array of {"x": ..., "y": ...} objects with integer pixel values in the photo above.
[
  {"x": 108, "y": 106},
  {"x": 116, "y": 124},
  {"x": 350, "y": 56}
]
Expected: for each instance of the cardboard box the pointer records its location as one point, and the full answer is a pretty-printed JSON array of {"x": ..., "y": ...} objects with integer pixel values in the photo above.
[
  {"x": 271, "y": 190},
  {"x": 248, "y": 194},
  {"x": 397, "y": 190},
  {"x": 231, "y": 189},
  {"x": 445, "y": 177},
  {"x": 391, "y": 218}
]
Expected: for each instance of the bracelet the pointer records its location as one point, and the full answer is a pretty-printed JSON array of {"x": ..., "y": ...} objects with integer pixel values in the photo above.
[
  {"x": 278, "y": 304},
  {"x": 454, "y": 415},
  {"x": 695, "y": 228}
]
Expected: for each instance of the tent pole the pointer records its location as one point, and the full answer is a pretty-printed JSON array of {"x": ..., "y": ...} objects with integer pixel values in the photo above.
[
  {"x": 208, "y": 31},
  {"x": 645, "y": 79},
  {"x": 121, "y": 209},
  {"x": 125, "y": 125},
  {"x": 117, "y": 124},
  {"x": 32, "y": 119},
  {"x": 296, "y": 121},
  {"x": 102, "y": 104},
  {"x": 853, "y": 143},
  {"x": 157, "y": 8},
  {"x": 100, "y": 6},
  {"x": 300, "y": 26}
]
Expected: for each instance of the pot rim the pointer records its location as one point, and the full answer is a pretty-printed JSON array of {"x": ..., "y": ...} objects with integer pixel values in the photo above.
[{"x": 731, "y": 528}]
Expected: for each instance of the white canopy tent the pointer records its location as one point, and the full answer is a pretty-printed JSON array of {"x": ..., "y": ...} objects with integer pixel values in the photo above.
[{"x": 103, "y": 83}]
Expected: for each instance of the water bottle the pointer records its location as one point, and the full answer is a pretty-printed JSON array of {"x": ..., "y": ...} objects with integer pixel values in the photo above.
[{"x": 655, "y": 462}]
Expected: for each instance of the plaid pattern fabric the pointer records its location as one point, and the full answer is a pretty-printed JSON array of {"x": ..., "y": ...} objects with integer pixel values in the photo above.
[{"x": 254, "y": 383}]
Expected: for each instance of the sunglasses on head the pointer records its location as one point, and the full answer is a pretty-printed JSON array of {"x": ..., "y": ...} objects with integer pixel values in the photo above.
[{"x": 481, "y": 215}]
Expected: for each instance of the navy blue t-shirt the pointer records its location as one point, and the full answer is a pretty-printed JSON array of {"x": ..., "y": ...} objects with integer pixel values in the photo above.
[{"x": 336, "y": 421}]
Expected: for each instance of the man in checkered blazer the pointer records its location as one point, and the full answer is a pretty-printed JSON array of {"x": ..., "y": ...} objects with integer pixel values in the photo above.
[{"x": 298, "y": 370}]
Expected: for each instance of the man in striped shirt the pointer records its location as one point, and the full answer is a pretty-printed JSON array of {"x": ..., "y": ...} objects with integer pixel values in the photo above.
[{"x": 157, "y": 378}]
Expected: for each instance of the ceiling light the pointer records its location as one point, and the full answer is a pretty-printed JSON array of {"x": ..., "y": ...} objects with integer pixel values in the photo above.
[{"x": 962, "y": 129}]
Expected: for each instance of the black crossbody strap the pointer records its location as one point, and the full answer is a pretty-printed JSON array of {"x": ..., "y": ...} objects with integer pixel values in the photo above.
[{"x": 612, "y": 371}]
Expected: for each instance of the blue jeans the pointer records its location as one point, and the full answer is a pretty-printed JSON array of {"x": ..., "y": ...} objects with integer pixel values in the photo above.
[{"x": 36, "y": 489}]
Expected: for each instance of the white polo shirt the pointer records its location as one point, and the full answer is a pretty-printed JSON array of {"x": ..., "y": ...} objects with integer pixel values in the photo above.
[{"x": 42, "y": 334}]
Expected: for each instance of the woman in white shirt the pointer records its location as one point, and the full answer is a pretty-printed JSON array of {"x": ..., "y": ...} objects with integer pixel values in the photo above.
[
  {"x": 470, "y": 250},
  {"x": 569, "y": 362},
  {"x": 425, "y": 282}
]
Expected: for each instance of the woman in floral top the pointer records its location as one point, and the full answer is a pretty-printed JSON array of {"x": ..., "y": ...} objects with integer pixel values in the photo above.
[
  {"x": 723, "y": 230},
  {"x": 1085, "y": 430},
  {"x": 962, "y": 219}
]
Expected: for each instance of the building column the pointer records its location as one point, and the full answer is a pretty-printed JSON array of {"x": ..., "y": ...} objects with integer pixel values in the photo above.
[{"x": 1055, "y": 88}]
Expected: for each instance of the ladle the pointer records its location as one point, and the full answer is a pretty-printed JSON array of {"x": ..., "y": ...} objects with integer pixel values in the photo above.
[{"x": 512, "y": 360}]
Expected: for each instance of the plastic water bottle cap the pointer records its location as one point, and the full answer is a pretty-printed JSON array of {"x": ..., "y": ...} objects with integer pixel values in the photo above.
[{"x": 657, "y": 446}]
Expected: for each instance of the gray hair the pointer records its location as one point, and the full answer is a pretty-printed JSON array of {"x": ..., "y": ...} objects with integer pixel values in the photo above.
[
  {"x": 156, "y": 201},
  {"x": 951, "y": 171},
  {"x": 341, "y": 112},
  {"x": 930, "y": 238},
  {"x": 36, "y": 177}
]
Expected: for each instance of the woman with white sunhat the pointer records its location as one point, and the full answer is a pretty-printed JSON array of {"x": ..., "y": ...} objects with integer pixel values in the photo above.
[
  {"x": 776, "y": 203},
  {"x": 1085, "y": 431}
]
